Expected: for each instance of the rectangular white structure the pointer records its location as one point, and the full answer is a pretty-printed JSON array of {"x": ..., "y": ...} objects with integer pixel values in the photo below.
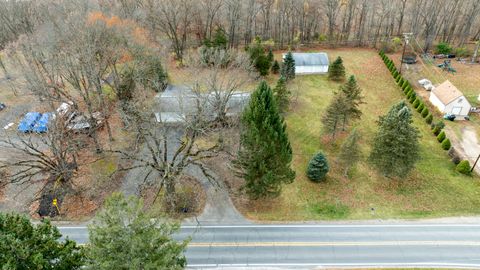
[
  {"x": 310, "y": 63},
  {"x": 448, "y": 99}
]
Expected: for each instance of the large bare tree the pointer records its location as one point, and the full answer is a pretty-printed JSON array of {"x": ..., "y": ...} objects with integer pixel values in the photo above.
[
  {"x": 217, "y": 75},
  {"x": 165, "y": 151}
]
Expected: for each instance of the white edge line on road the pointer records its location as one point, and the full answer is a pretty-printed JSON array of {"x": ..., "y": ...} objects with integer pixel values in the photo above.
[
  {"x": 422, "y": 264},
  {"x": 328, "y": 226},
  {"x": 305, "y": 226}
]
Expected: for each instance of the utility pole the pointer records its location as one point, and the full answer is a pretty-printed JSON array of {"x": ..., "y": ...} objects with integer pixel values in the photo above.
[
  {"x": 406, "y": 37},
  {"x": 473, "y": 167},
  {"x": 474, "y": 57}
]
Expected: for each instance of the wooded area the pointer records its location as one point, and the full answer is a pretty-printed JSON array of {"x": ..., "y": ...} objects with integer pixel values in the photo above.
[{"x": 283, "y": 23}]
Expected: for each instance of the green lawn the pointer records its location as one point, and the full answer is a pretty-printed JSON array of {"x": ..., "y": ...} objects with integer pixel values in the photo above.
[{"x": 433, "y": 189}]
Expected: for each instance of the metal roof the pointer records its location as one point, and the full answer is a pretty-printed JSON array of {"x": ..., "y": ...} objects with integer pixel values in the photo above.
[{"x": 310, "y": 59}]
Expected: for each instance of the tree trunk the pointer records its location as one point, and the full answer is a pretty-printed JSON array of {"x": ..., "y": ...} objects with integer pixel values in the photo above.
[
  {"x": 475, "y": 53},
  {"x": 170, "y": 195}
]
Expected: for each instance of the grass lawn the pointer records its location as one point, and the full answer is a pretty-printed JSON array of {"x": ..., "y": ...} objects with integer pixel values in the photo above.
[{"x": 433, "y": 189}]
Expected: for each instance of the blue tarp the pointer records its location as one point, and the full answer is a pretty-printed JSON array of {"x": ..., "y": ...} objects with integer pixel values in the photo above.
[
  {"x": 28, "y": 121},
  {"x": 42, "y": 124}
]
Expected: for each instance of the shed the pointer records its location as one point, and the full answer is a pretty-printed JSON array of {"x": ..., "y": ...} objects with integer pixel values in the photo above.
[
  {"x": 310, "y": 63},
  {"x": 448, "y": 99}
]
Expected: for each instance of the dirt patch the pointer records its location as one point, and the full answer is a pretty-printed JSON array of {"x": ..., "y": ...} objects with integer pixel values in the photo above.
[
  {"x": 467, "y": 146},
  {"x": 77, "y": 207}
]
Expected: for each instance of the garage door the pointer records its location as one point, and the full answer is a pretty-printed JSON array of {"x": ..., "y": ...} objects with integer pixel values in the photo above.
[{"x": 456, "y": 110}]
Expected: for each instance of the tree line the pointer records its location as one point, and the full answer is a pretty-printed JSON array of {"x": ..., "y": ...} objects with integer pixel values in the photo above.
[{"x": 186, "y": 23}]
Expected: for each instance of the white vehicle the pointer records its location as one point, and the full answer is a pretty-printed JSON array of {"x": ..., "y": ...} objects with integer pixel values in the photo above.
[
  {"x": 64, "y": 108},
  {"x": 426, "y": 84}
]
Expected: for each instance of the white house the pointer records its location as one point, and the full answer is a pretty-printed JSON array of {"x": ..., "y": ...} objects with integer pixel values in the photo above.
[
  {"x": 310, "y": 63},
  {"x": 448, "y": 99}
]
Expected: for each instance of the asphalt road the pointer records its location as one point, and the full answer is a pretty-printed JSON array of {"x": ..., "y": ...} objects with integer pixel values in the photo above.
[{"x": 316, "y": 246}]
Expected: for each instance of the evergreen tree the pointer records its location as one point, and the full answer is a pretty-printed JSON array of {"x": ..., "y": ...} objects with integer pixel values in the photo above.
[
  {"x": 416, "y": 103},
  {"x": 429, "y": 118},
  {"x": 220, "y": 39},
  {"x": 350, "y": 151},
  {"x": 420, "y": 107},
  {"x": 126, "y": 86},
  {"x": 152, "y": 75},
  {"x": 464, "y": 167},
  {"x": 288, "y": 67},
  {"x": 259, "y": 58},
  {"x": 395, "y": 147},
  {"x": 333, "y": 118},
  {"x": 446, "y": 144},
  {"x": 27, "y": 246},
  {"x": 412, "y": 98},
  {"x": 275, "y": 67},
  {"x": 282, "y": 95},
  {"x": 318, "y": 167},
  {"x": 122, "y": 236},
  {"x": 441, "y": 136},
  {"x": 336, "y": 71},
  {"x": 265, "y": 153},
  {"x": 353, "y": 99},
  {"x": 270, "y": 56},
  {"x": 424, "y": 112}
]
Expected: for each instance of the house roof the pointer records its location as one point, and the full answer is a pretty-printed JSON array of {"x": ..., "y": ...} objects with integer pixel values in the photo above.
[
  {"x": 310, "y": 59},
  {"x": 178, "y": 99},
  {"x": 446, "y": 92}
]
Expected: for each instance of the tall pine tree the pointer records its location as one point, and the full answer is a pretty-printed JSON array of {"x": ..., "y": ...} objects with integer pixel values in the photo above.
[
  {"x": 275, "y": 67},
  {"x": 265, "y": 153},
  {"x": 282, "y": 95},
  {"x": 333, "y": 118},
  {"x": 336, "y": 70},
  {"x": 288, "y": 67},
  {"x": 353, "y": 99},
  {"x": 350, "y": 151},
  {"x": 395, "y": 146}
]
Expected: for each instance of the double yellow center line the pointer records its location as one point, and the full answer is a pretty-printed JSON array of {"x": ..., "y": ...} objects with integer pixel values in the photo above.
[{"x": 333, "y": 244}]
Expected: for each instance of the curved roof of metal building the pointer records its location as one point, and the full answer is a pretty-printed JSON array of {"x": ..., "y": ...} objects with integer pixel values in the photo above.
[{"x": 310, "y": 59}]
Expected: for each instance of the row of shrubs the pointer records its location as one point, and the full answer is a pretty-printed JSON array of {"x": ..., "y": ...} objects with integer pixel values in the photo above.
[{"x": 421, "y": 108}]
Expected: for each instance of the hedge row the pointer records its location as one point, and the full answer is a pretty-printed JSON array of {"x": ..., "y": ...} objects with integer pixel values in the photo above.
[{"x": 417, "y": 103}]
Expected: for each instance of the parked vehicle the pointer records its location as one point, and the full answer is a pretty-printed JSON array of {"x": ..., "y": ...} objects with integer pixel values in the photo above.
[
  {"x": 2, "y": 106},
  {"x": 439, "y": 56},
  {"x": 80, "y": 123},
  {"x": 409, "y": 59},
  {"x": 42, "y": 124},
  {"x": 28, "y": 121},
  {"x": 450, "y": 117},
  {"x": 426, "y": 84},
  {"x": 64, "y": 108}
]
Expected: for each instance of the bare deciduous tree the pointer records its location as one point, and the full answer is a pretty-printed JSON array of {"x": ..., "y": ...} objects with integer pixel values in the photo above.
[
  {"x": 173, "y": 18},
  {"x": 217, "y": 75},
  {"x": 166, "y": 151},
  {"x": 49, "y": 159}
]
